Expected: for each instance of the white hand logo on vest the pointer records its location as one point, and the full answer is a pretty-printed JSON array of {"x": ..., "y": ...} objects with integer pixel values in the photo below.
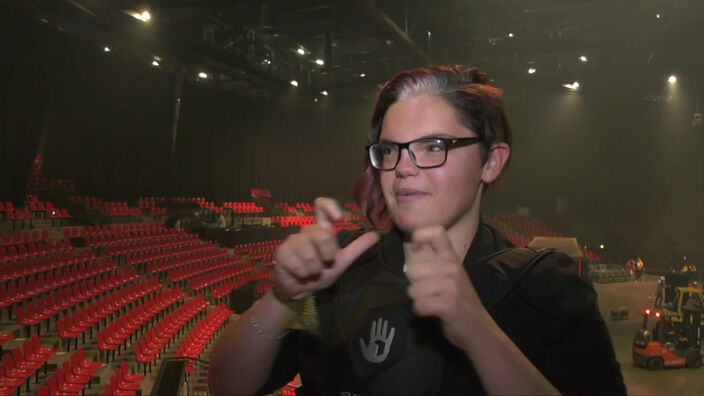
[{"x": 378, "y": 337}]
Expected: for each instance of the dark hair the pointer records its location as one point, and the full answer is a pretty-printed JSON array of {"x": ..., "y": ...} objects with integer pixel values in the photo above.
[{"x": 478, "y": 104}]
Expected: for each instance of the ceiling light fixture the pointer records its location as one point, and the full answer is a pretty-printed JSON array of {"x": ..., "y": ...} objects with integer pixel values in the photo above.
[
  {"x": 319, "y": 62},
  {"x": 155, "y": 62},
  {"x": 531, "y": 70},
  {"x": 510, "y": 35},
  {"x": 203, "y": 75},
  {"x": 106, "y": 49},
  {"x": 324, "y": 93},
  {"x": 301, "y": 51},
  {"x": 143, "y": 16},
  {"x": 583, "y": 58},
  {"x": 574, "y": 86},
  {"x": 672, "y": 79},
  {"x": 294, "y": 83},
  {"x": 362, "y": 75}
]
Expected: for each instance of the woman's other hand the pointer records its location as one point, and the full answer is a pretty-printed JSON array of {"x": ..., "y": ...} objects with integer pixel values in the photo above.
[{"x": 312, "y": 260}]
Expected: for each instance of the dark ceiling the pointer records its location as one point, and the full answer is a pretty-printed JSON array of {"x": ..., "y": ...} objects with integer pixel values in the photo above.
[{"x": 251, "y": 46}]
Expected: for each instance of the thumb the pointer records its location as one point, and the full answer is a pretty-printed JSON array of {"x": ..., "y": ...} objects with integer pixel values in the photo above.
[{"x": 349, "y": 254}]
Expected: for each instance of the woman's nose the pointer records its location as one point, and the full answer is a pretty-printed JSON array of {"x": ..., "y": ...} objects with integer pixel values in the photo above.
[{"x": 406, "y": 166}]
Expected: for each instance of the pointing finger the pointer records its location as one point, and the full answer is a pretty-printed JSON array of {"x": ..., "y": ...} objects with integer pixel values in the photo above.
[
  {"x": 346, "y": 256},
  {"x": 327, "y": 212}
]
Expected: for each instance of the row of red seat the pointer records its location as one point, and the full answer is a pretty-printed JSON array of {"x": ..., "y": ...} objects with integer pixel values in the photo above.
[
  {"x": 302, "y": 221},
  {"x": 351, "y": 206},
  {"x": 33, "y": 249},
  {"x": 527, "y": 225},
  {"x": 172, "y": 253},
  {"x": 224, "y": 289},
  {"x": 262, "y": 287},
  {"x": 515, "y": 238},
  {"x": 63, "y": 299},
  {"x": 36, "y": 265},
  {"x": 223, "y": 274},
  {"x": 21, "y": 364},
  {"x": 257, "y": 246},
  {"x": 149, "y": 242},
  {"x": 158, "y": 211},
  {"x": 116, "y": 333},
  {"x": 50, "y": 183},
  {"x": 243, "y": 207},
  {"x": 189, "y": 260},
  {"x": 202, "y": 334},
  {"x": 146, "y": 228},
  {"x": 123, "y": 383},
  {"x": 118, "y": 209},
  {"x": 345, "y": 225},
  {"x": 72, "y": 326},
  {"x": 120, "y": 240},
  {"x": 26, "y": 236},
  {"x": 150, "y": 202},
  {"x": 211, "y": 264},
  {"x": 27, "y": 288},
  {"x": 149, "y": 348},
  {"x": 75, "y": 373}
]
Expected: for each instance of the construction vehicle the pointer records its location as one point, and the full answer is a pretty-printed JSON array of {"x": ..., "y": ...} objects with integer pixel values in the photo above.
[
  {"x": 675, "y": 310},
  {"x": 664, "y": 346}
]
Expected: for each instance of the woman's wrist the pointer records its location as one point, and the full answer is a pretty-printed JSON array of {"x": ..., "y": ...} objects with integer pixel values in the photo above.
[{"x": 303, "y": 314}]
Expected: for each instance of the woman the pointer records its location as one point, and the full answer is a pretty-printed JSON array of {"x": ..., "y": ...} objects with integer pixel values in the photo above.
[{"x": 420, "y": 309}]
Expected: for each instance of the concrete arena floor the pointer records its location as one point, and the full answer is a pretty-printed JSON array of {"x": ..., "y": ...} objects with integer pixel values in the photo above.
[{"x": 640, "y": 381}]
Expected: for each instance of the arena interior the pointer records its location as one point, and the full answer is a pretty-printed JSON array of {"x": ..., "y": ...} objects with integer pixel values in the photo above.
[{"x": 153, "y": 155}]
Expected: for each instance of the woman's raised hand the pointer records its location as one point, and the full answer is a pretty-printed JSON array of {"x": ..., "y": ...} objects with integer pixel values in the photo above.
[
  {"x": 440, "y": 286},
  {"x": 312, "y": 260}
]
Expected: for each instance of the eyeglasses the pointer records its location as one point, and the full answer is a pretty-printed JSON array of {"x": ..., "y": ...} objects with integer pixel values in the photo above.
[{"x": 425, "y": 152}]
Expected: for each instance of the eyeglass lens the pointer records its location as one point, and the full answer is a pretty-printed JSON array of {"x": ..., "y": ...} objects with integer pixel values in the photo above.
[{"x": 424, "y": 153}]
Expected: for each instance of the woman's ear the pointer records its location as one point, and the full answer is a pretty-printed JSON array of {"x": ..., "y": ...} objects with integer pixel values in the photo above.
[{"x": 497, "y": 159}]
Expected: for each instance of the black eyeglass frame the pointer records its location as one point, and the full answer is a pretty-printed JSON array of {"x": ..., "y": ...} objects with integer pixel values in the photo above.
[{"x": 450, "y": 143}]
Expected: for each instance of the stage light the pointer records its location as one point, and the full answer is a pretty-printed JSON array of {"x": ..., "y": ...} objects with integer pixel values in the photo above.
[
  {"x": 574, "y": 86},
  {"x": 362, "y": 75},
  {"x": 155, "y": 63},
  {"x": 429, "y": 34},
  {"x": 203, "y": 75},
  {"x": 143, "y": 16},
  {"x": 531, "y": 70},
  {"x": 510, "y": 35},
  {"x": 657, "y": 15},
  {"x": 106, "y": 49},
  {"x": 319, "y": 62},
  {"x": 583, "y": 58},
  {"x": 294, "y": 83},
  {"x": 672, "y": 79},
  {"x": 324, "y": 93},
  {"x": 301, "y": 51},
  {"x": 267, "y": 61},
  {"x": 601, "y": 247}
]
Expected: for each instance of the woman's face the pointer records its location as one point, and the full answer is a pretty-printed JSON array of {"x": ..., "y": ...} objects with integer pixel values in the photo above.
[{"x": 448, "y": 195}]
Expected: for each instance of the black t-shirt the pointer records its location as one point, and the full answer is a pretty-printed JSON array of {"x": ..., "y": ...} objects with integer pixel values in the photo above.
[{"x": 371, "y": 343}]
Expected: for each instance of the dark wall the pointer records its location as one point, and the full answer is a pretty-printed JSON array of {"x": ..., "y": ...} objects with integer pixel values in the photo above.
[
  {"x": 106, "y": 122},
  {"x": 24, "y": 78},
  {"x": 228, "y": 143},
  {"x": 627, "y": 170},
  {"x": 103, "y": 121}
]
